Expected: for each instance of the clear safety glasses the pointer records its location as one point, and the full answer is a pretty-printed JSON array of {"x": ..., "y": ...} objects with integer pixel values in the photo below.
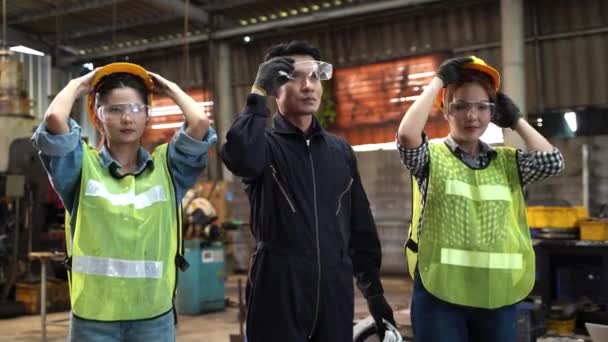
[
  {"x": 119, "y": 110},
  {"x": 462, "y": 108},
  {"x": 311, "y": 70}
]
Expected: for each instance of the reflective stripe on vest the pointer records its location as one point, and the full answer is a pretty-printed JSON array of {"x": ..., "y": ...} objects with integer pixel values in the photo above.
[
  {"x": 477, "y": 193},
  {"x": 117, "y": 268},
  {"x": 143, "y": 200},
  {"x": 503, "y": 261}
]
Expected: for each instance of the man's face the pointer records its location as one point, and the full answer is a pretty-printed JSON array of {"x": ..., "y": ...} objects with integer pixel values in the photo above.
[{"x": 302, "y": 95}]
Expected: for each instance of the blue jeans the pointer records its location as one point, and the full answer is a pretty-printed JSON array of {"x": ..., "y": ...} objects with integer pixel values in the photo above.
[
  {"x": 434, "y": 320},
  {"x": 159, "y": 329}
]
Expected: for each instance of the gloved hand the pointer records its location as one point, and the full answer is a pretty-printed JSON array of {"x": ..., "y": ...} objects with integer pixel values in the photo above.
[
  {"x": 379, "y": 309},
  {"x": 269, "y": 78},
  {"x": 507, "y": 112},
  {"x": 450, "y": 70}
]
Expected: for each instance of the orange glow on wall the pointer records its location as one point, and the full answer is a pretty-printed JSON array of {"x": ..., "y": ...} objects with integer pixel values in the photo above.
[
  {"x": 166, "y": 117},
  {"x": 371, "y": 99}
]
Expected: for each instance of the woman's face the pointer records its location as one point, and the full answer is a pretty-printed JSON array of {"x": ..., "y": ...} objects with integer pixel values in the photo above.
[
  {"x": 468, "y": 112},
  {"x": 123, "y": 115}
]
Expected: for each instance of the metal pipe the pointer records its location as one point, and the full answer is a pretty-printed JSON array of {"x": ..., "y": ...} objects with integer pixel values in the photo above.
[
  {"x": 43, "y": 298},
  {"x": 537, "y": 61},
  {"x": 4, "y": 24},
  {"x": 222, "y": 100},
  {"x": 585, "y": 175},
  {"x": 513, "y": 80},
  {"x": 16, "y": 240}
]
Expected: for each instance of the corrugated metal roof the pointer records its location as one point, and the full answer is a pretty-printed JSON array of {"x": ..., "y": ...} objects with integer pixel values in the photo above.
[
  {"x": 565, "y": 60},
  {"x": 85, "y": 27}
]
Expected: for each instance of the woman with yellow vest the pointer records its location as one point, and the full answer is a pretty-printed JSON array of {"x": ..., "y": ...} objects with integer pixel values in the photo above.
[
  {"x": 469, "y": 248},
  {"x": 123, "y": 231}
]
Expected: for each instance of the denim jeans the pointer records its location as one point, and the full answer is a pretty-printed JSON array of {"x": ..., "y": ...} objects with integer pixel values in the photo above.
[
  {"x": 159, "y": 329},
  {"x": 434, "y": 320}
]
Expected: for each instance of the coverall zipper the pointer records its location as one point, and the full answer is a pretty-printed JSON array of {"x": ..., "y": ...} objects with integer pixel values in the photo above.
[{"x": 314, "y": 188}]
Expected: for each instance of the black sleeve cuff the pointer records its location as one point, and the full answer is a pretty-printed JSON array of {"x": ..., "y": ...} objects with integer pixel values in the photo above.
[{"x": 256, "y": 105}]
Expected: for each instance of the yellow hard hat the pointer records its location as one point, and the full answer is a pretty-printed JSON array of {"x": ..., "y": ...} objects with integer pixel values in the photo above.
[
  {"x": 112, "y": 68},
  {"x": 479, "y": 65}
]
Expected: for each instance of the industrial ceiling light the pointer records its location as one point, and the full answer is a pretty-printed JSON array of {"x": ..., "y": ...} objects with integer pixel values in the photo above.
[
  {"x": 25, "y": 49},
  {"x": 243, "y": 22},
  {"x": 247, "y": 39},
  {"x": 315, "y": 7},
  {"x": 570, "y": 118},
  {"x": 293, "y": 11}
]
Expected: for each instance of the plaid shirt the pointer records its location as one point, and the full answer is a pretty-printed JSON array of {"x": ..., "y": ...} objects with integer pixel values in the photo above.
[{"x": 533, "y": 166}]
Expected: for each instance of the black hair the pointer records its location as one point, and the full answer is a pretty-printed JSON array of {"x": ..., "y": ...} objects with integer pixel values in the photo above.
[
  {"x": 474, "y": 76},
  {"x": 295, "y": 47},
  {"x": 121, "y": 80}
]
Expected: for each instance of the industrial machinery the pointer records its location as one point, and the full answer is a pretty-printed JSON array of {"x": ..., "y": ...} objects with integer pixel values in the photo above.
[
  {"x": 201, "y": 287},
  {"x": 23, "y": 183}
]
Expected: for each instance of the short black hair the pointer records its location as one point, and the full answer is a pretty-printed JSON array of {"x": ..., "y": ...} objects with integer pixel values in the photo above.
[{"x": 295, "y": 47}]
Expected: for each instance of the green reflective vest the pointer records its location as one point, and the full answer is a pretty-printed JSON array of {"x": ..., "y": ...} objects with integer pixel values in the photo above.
[
  {"x": 475, "y": 247},
  {"x": 126, "y": 239}
]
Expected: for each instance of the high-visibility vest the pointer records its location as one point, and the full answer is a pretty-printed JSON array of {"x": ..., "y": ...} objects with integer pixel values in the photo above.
[
  {"x": 127, "y": 238},
  {"x": 475, "y": 247}
]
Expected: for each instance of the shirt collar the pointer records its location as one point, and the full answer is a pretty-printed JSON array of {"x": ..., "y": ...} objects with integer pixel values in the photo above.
[
  {"x": 484, "y": 149},
  {"x": 143, "y": 160}
]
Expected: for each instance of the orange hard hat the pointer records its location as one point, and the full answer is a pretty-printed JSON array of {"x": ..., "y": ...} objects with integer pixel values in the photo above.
[
  {"x": 113, "y": 68},
  {"x": 479, "y": 65}
]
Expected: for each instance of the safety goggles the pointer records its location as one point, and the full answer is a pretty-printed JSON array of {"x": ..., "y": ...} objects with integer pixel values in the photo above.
[
  {"x": 118, "y": 111},
  {"x": 311, "y": 70},
  {"x": 462, "y": 107}
]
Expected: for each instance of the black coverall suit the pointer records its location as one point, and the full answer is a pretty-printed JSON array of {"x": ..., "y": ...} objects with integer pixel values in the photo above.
[{"x": 313, "y": 225}]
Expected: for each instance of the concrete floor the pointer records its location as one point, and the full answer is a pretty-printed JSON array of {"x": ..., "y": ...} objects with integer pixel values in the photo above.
[{"x": 215, "y": 327}]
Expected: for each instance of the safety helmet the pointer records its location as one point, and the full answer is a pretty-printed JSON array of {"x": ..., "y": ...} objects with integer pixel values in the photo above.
[
  {"x": 113, "y": 68},
  {"x": 479, "y": 65},
  {"x": 365, "y": 331}
]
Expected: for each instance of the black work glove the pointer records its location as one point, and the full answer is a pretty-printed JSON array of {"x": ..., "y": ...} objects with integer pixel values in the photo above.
[
  {"x": 379, "y": 309},
  {"x": 269, "y": 78},
  {"x": 507, "y": 112},
  {"x": 451, "y": 69}
]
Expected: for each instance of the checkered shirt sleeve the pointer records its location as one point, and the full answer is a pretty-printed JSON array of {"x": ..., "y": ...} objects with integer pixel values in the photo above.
[
  {"x": 416, "y": 160},
  {"x": 535, "y": 166}
]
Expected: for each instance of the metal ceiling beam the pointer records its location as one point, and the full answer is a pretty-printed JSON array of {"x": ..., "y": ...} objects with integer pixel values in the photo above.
[
  {"x": 178, "y": 7},
  {"x": 17, "y": 37},
  {"x": 94, "y": 31},
  {"x": 300, "y": 20},
  {"x": 222, "y": 5},
  {"x": 81, "y": 6}
]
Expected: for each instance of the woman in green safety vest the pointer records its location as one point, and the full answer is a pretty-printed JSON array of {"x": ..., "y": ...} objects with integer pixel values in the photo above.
[
  {"x": 123, "y": 229},
  {"x": 469, "y": 249}
]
